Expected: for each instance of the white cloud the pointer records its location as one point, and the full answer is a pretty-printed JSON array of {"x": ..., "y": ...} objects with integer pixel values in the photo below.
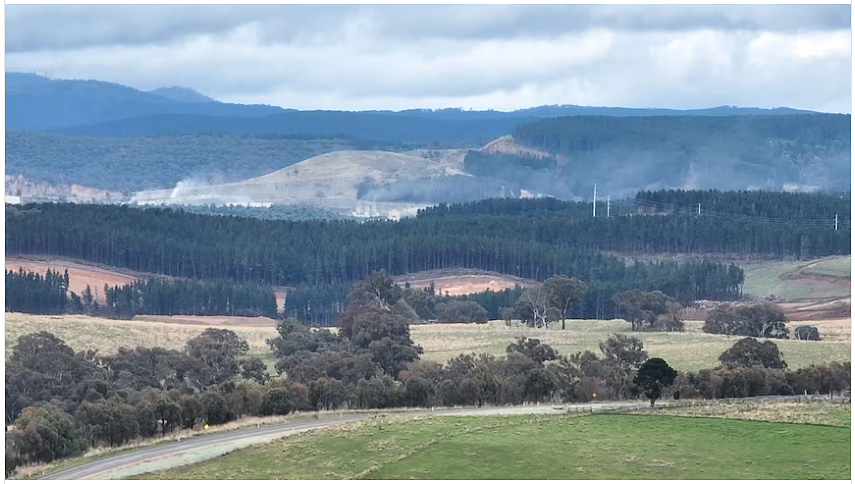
[{"x": 506, "y": 57}]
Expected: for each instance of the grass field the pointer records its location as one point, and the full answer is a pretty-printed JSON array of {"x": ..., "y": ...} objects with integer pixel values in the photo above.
[
  {"x": 555, "y": 447},
  {"x": 798, "y": 279},
  {"x": 692, "y": 350},
  {"x": 838, "y": 413},
  {"x": 107, "y": 335}
]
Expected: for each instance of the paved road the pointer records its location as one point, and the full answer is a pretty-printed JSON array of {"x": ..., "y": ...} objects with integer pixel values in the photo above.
[{"x": 195, "y": 449}]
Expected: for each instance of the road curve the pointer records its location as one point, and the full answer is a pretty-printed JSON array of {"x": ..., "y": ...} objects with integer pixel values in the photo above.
[{"x": 179, "y": 453}]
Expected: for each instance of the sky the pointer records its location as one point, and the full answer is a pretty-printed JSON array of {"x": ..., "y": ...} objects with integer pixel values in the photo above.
[{"x": 504, "y": 57}]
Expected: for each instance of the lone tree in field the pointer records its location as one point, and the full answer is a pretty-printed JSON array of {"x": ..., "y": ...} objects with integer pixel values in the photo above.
[
  {"x": 652, "y": 377},
  {"x": 750, "y": 352},
  {"x": 565, "y": 294}
]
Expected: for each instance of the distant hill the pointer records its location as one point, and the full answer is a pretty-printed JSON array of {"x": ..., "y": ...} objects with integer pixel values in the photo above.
[
  {"x": 374, "y": 126},
  {"x": 182, "y": 94},
  {"x": 565, "y": 157},
  {"x": 97, "y": 108},
  {"x": 37, "y": 103}
]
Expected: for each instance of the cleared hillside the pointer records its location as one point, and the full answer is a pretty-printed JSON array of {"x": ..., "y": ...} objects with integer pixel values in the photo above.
[
  {"x": 455, "y": 282},
  {"x": 333, "y": 180},
  {"x": 797, "y": 280}
]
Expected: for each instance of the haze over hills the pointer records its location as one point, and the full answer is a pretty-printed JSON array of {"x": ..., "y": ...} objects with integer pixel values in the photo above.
[
  {"x": 183, "y": 94},
  {"x": 116, "y": 138},
  {"x": 38, "y": 103}
]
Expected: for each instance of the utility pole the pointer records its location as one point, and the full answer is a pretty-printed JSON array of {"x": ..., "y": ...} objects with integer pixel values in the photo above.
[
  {"x": 595, "y": 199},
  {"x": 608, "y": 206},
  {"x": 835, "y": 221}
]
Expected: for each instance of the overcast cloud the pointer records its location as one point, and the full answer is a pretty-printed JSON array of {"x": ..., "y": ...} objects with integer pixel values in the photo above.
[{"x": 476, "y": 56}]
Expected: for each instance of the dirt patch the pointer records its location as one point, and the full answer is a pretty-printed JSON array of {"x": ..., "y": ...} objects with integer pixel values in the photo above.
[
  {"x": 224, "y": 321},
  {"x": 507, "y": 145},
  {"x": 80, "y": 274},
  {"x": 808, "y": 309},
  {"x": 455, "y": 282},
  {"x": 804, "y": 271},
  {"x": 281, "y": 293}
]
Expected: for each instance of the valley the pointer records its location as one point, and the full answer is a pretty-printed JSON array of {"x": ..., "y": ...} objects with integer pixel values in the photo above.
[{"x": 303, "y": 274}]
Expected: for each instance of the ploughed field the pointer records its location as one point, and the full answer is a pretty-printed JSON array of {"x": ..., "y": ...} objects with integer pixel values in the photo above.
[
  {"x": 691, "y": 350},
  {"x": 543, "y": 447}
]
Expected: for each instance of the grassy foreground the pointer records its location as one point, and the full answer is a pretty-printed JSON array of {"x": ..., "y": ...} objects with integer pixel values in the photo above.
[{"x": 554, "y": 447}]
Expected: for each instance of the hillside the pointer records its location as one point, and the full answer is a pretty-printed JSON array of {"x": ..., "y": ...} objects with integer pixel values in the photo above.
[
  {"x": 130, "y": 164},
  {"x": 183, "y": 94},
  {"x": 372, "y": 126},
  {"x": 329, "y": 180},
  {"x": 564, "y": 157}
]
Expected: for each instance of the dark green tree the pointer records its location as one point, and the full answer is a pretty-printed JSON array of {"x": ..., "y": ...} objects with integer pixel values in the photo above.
[{"x": 654, "y": 375}]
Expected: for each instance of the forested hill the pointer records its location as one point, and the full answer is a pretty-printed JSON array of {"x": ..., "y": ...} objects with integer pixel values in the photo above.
[
  {"x": 39, "y": 103},
  {"x": 623, "y": 155},
  {"x": 375, "y": 126},
  {"x": 285, "y": 252},
  {"x": 158, "y": 162},
  {"x": 814, "y": 209}
]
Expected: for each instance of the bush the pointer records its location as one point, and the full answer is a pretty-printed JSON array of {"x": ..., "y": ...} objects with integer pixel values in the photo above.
[
  {"x": 750, "y": 352},
  {"x": 460, "y": 312},
  {"x": 806, "y": 333},
  {"x": 277, "y": 401},
  {"x": 44, "y": 432},
  {"x": 763, "y": 320}
]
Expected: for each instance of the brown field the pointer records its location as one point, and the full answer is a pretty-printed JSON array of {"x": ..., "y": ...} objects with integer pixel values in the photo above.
[
  {"x": 108, "y": 335},
  {"x": 691, "y": 350},
  {"x": 80, "y": 274},
  {"x": 688, "y": 351},
  {"x": 211, "y": 321},
  {"x": 455, "y": 282}
]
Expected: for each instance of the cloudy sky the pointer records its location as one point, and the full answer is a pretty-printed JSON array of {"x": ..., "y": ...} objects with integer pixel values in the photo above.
[{"x": 479, "y": 56}]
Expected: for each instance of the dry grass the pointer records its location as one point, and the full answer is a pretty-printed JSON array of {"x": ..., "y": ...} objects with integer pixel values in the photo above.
[
  {"x": 817, "y": 412},
  {"x": 107, "y": 335},
  {"x": 691, "y": 350}
]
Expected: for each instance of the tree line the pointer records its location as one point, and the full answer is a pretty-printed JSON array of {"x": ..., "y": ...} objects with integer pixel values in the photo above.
[
  {"x": 30, "y": 292},
  {"x": 321, "y": 252},
  {"x": 760, "y": 205}
]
